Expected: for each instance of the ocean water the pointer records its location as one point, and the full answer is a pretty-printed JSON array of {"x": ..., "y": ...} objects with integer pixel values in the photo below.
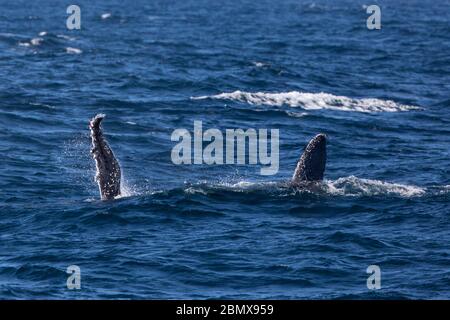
[{"x": 225, "y": 231}]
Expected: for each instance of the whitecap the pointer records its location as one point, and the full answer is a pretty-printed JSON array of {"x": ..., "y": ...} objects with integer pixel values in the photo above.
[
  {"x": 353, "y": 186},
  {"x": 312, "y": 101},
  {"x": 8, "y": 35},
  {"x": 42, "y": 105},
  {"x": 243, "y": 184},
  {"x": 259, "y": 64},
  {"x": 193, "y": 190},
  {"x": 63, "y": 36},
  {"x": 36, "y": 41},
  {"x": 240, "y": 186},
  {"x": 297, "y": 114},
  {"x": 106, "y": 15},
  {"x": 444, "y": 190},
  {"x": 71, "y": 50}
]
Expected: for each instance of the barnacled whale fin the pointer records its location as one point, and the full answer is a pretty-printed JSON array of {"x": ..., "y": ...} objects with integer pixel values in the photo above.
[
  {"x": 311, "y": 166},
  {"x": 108, "y": 173},
  {"x": 95, "y": 122}
]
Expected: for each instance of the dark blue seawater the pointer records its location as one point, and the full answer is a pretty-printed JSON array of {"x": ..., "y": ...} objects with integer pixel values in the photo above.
[{"x": 225, "y": 231}]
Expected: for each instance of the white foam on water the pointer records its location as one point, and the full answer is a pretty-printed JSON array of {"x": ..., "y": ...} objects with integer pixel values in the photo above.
[
  {"x": 36, "y": 41},
  {"x": 353, "y": 186},
  {"x": 312, "y": 101},
  {"x": 444, "y": 190},
  {"x": 193, "y": 190},
  {"x": 43, "y": 105},
  {"x": 346, "y": 187},
  {"x": 8, "y": 34},
  {"x": 259, "y": 64},
  {"x": 297, "y": 114},
  {"x": 106, "y": 15},
  {"x": 63, "y": 36},
  {"x": 244, "y": 185},
  {"x": 71, "y": 50}
]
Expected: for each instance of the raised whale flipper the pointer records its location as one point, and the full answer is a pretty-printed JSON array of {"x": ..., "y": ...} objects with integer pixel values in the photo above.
[
  {"x": 311, "y": 165},
  {"x": 108, "y": 170}
]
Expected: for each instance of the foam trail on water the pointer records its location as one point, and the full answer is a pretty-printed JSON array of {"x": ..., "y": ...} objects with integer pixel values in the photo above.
[
  {"x": 343, "y": 187},
  {"x": 312, "y": 101},
  {"x": 353, "y": 186},
  {"x": 71, "y": 50}
]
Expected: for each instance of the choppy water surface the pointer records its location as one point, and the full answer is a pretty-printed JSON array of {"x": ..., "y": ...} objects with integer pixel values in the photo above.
[{"x": 203, "y": 231}]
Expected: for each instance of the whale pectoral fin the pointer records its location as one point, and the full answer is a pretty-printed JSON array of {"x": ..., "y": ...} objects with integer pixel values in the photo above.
[
  {"x": 108, "y": 169},
  {"x": 95, "y": 122},
  {"x": 311, "y": 165}
]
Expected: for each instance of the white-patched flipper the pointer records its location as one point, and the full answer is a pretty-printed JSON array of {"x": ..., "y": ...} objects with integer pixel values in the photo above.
[{"x": 108, "y": 173}]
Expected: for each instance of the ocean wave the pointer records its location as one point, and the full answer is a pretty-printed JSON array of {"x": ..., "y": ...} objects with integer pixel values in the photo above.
[
  {"x": 63, "y": 36},
  {"x": 36, "y": 41},
  {"x": 347, "y": 187},
  {"x": 240, "y": 186},
  {"x": 353, "y": 186},
  {"x": 312, "y": 101},
  {"x": 33, "y": 42},
  {"x": 71, "y": 50},
  {"x": 106, "y": 15},
  {"x": 48, "y": 40},
  {"x": 445, "y": 190}
]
